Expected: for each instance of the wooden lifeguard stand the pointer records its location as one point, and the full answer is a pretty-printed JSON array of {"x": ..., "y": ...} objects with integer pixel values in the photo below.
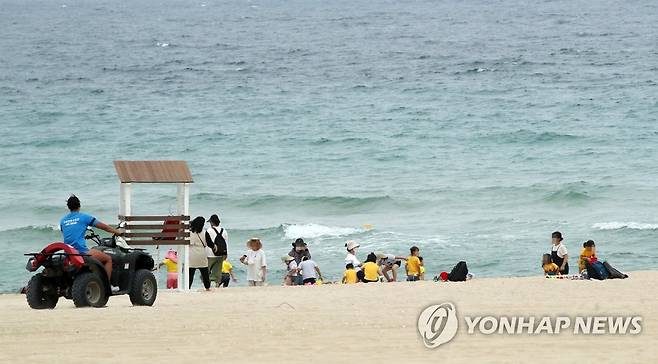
[{"x": 161, "y": 229}]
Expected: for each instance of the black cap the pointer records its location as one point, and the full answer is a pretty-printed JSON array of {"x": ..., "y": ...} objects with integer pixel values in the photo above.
[{"x": 214, "y": 219}]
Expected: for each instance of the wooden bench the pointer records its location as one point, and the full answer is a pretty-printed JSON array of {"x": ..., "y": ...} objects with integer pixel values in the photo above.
[{"x": 156, "y": 230}]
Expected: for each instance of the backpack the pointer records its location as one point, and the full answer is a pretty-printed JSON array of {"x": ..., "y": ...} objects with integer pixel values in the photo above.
[
  {"x": 613, "y": 273},
  {"x": 596, "y": 270},
  {"x": 458, "y": 273},
  {"x": 218, "y": 246}
]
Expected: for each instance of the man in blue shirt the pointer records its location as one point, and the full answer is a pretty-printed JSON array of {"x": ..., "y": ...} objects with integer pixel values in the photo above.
[{"x": 74, "y": 227}]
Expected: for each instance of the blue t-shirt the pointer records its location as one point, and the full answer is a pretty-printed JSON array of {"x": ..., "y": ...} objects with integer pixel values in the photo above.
[{"x": 74, "y": 227}]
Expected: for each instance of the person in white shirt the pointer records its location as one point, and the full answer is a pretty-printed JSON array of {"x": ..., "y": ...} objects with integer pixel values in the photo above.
[
  {"x": 352, "y": 259},
  {"x": 256, "y": 263},
  {"x": 310, "y": 271},
  {"x": 559, "y": 253}
]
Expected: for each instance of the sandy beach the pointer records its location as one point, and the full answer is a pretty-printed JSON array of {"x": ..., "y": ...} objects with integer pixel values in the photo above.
[{"x": 334, "y": 323}]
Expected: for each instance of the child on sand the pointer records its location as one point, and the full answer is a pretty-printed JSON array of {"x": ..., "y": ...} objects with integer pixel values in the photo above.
[
  {"x": 413, "y": 265},
  {"x": 550, "y": 268},
  {"x": 310, "y": 271},
  {"x": 227, "y": 274},
  {"x": 421, "y": 276},
  {"x": 292, "y": 272},
  {"x": 586, "y": 255},
  {"x": 371, "y": 270},
  {"x": 256, "y": 263},
  {"x": 171, "y": 261},
  {"x": 349, "y": 276}
]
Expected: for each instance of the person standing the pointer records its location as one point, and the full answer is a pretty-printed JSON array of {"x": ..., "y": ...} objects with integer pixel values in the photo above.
[
  {"x": 559, "y": 253},
  {"x": 256, "y": 263},
  {"x": 198, "y": 257},
  {"x": 217, "y": 249},
  {"x": 413, "y": 264}
]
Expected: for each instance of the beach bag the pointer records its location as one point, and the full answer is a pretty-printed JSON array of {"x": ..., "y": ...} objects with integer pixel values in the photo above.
[
  {"x": 458, "y": 273},
  {"x": 218, "y": 246},
  {"x": 613, "y": 273},
  {"x": 596, "y": 270}
]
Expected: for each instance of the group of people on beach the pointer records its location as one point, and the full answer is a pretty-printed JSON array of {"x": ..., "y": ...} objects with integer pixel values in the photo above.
[
  {"x": 209, "y": 250},
  {"x": 302, "y": 270},
  {"x": 557, "y": 262}
]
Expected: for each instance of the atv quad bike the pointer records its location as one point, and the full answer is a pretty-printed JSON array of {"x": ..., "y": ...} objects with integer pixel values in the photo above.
[{"x": 80, "y": 277}]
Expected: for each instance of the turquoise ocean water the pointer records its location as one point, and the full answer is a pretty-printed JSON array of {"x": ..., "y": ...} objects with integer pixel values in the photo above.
[{"x": 472, "y": 129}]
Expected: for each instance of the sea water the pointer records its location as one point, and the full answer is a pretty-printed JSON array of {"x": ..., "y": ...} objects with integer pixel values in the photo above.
[{"x": 472, "y": 129}]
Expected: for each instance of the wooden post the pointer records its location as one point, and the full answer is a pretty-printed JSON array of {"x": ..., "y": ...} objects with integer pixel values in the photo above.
[
  {"x": 125, "y": 197},
  {"x": 183, "y": 200}
]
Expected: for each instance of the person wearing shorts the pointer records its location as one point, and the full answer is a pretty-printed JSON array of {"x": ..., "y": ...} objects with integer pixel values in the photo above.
[{"x": 389, "y": 263}]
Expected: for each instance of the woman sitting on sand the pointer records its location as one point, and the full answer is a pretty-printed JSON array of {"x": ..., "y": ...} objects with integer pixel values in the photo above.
[
  {"x": 559, "y": 253},
  {"x": 371, "y": 270},
  {"x": 352, "y": 259}
]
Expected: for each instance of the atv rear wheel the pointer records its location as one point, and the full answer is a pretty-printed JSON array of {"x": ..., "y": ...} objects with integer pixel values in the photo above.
[
  {"x": 37, "y": 293},
  {"x": 88, "y": 290},
  {"x": 144, "y": 289}
]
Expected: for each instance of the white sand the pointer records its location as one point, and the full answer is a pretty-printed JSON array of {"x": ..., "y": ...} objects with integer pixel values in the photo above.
[{"x": 333, "y": 323}]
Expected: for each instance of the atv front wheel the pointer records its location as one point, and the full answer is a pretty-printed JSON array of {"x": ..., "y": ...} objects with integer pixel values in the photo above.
[
  {"x": 144, "y": 288},
  {"x": 88, "y": 290},
  {"x": 37, "y": 293}
]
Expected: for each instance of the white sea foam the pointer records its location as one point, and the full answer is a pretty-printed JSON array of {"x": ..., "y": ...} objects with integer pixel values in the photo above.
[
  {"x": 310, "y": 231},
  {"x": 615, "y": 225}
]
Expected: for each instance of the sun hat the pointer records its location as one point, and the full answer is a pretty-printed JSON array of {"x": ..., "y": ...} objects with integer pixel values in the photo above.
[
  {"x": 299, "y": 242},
  {"x": 380, "y": 255},
  {"x": 352, "y": 244},
  {"x": 286, "y": 258}
]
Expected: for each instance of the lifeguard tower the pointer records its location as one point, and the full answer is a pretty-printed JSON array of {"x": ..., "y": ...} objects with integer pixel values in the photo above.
[{"x": 158, "y": 229}]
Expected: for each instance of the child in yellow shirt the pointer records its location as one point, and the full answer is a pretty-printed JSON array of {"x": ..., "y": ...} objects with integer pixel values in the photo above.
[
  {"x": 227, "y": 274},
  {"x": 171, "y": 262},
  {"x": 413, "y": 264},
  {"x": 588, "y": 252},
  {"x": 349, "y": 276},
  {"x": 422, "y": 269},
  {"x": 371, "y": 270},
  {"x": 550, "y": 268}
]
